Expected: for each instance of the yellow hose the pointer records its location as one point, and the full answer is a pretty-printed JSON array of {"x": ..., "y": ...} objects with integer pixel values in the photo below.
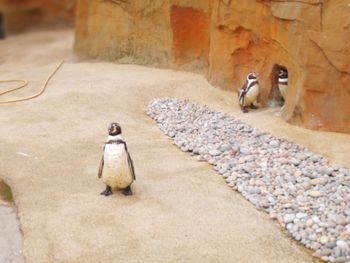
[{"x": 25, "y": 83}]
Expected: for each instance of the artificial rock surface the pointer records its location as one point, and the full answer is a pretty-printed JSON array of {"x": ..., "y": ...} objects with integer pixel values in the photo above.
[
  {"x": 227, "y": 39},
  {"x": 21, "y": 15}
]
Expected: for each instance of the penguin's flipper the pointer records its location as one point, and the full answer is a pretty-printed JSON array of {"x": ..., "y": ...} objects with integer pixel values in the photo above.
[
  {"x": 131, "y": 166},
  {"x": 242, "y": 94},
  {"x": 130, "y": 162},
  {"x": 100, "y": 169}
]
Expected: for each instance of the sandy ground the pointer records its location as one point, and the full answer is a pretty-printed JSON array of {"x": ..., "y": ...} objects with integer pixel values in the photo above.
[{"x": 182, "y": 211}]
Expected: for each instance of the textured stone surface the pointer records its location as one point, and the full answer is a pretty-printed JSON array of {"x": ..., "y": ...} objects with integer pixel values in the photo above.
[
  {"x": 303, "y": 36},
  {"x": 231, "y": 38},
  {"x": 145, "y": 32},
  {"x": 24, "y": 14},
  {"x": 190, "y": 40}
]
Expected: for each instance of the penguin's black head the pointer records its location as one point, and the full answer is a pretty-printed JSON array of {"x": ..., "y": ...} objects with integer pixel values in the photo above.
[
  {"x": 282, "y": 73},
  {"x": 252, "y": 76},
  {"x": 114, "y": 129}
]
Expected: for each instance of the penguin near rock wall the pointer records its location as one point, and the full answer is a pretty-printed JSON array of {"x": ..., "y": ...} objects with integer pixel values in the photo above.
[
  {"x": 283, "y": 83},
  {"x": 116, "y": 166},
  {"x": 249, "y": 93}
]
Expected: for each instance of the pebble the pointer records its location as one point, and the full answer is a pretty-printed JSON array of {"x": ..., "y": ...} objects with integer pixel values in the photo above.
[
  {"x": 338, "y": 219},
  {"x": 294, "y": 161},
  {"x": 318, "y": 181},
  {"x": 225, "y": 147},
  {"x": 300, "y": 189},
  {"x": 323, "y": 239},
  {"x": 288, "y": 218},
  {"x": 298, "y": 173},
  {"x": 245, "y": 151},
  {"x": 273, "y": 215},
  {"x": 315, "y": 193},
  {"x": 214, "y": 152},
  {"x": 330, "y": 245},
  {"x": 274, "y": 143},
  {"x": 254, "y": 190},
  {"x": 301, "y": 215},
  {"x": 342, "y": 244}
]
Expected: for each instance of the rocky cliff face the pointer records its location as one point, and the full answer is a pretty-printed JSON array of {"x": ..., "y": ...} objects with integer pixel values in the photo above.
[
  {"x": 228, "y": 39},
  {"x": 20, "y": 15}
]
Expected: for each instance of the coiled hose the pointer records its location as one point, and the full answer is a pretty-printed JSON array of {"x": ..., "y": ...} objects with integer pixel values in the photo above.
[{"x": 24, "y": 83}]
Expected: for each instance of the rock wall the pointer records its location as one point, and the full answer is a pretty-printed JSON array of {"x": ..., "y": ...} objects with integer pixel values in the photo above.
[
  {"x": 157, "y": 32},
  {"x": 226, "y": 39},
  {"x": 20, "y": 15}
]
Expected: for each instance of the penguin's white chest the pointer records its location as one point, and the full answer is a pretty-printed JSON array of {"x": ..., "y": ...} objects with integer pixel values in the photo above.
[
  {"x": 252, "y": 95},
  {"x": 116, "y": 172},
  {"x": 282, "y": 86},
  {"x": 283, "y": 89}
]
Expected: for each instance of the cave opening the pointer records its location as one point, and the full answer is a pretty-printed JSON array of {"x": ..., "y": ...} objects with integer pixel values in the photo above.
[{"x": 279, "y": 84}]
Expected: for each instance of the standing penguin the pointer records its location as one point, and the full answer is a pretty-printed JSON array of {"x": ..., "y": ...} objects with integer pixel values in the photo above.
[
  {"x": 249, "y": 93},
  {"x": 116, "y": 167},
  {"x": 283, "y": 82}
]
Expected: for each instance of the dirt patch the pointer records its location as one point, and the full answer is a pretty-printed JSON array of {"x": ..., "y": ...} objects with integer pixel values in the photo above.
[{"x": 5, "y": 192}]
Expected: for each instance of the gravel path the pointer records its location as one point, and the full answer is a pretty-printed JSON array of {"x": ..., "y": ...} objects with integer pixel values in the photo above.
[{"x": 307, "y": 195}]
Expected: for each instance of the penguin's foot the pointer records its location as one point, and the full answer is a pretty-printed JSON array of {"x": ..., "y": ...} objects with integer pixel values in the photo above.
[
  {"x": 254, "y": 107},
  {"x": 107, "y": 192},
  {"x": 127, "y": 191},
  {"x": 244, "y": 110}
]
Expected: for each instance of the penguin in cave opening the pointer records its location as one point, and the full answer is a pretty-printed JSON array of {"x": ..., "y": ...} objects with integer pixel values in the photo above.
[
  {"x": 116, "y": 166},
  {"x": 283, "y": 83},
  {"x": 249, "y": 93}
]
